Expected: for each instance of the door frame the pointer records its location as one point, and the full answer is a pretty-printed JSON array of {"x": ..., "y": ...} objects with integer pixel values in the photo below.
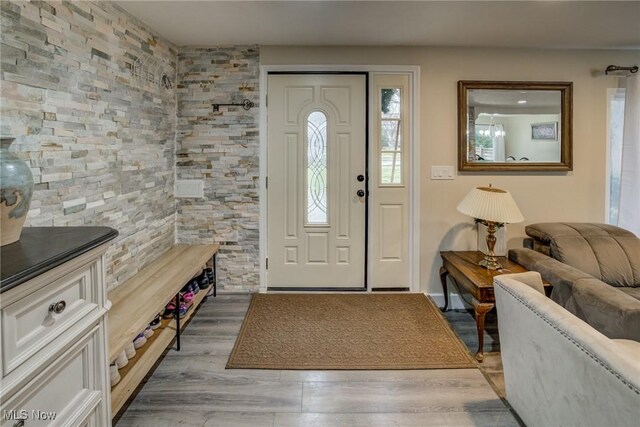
[{"x": 413, "y": 72}]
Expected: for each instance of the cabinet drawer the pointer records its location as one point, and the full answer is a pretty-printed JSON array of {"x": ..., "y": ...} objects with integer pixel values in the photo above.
[
  {"x": 94, "y": 419},
  {"x": 65, "y": 393},
  {"x": 31, "y": 323}
]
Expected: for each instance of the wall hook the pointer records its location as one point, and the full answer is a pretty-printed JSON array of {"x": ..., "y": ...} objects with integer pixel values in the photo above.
[{"x": 246, "y": 104}]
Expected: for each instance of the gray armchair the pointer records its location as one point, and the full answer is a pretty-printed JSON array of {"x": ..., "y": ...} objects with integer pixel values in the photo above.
[{"x": 594, "y": 270}]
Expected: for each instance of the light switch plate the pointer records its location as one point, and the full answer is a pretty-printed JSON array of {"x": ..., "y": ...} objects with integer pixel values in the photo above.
[
  {"x": 442, "y": 172},
  {"x": 189, "y": 188}
]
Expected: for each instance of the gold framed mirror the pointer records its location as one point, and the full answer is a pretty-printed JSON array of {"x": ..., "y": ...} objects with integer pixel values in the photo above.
[{"x": 515, "y": 126}]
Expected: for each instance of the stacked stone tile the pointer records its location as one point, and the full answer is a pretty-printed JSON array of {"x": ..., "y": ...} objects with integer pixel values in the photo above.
[
  {"x": 101, "y": 144},
  {"x": 222, "y": 149}
]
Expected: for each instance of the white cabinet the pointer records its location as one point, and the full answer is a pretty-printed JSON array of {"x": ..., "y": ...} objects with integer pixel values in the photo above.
[
  {"x": 67, "y": 389},
  {"x": 53, "y": 338}
]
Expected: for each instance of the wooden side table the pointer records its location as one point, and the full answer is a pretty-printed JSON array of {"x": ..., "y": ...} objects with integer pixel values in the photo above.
[{"x": 462, "y": 266}]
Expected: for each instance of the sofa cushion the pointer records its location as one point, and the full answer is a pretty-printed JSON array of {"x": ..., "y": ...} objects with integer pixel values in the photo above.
[
  {"x": 634, "y": 292},
  {"x": 529, "y": 278},
  {"x": 629, "y": 346},
  {"x": 607, "y": 309},
  {"x": 606, "y": 252},
  {"x": 560, "y": 275}
]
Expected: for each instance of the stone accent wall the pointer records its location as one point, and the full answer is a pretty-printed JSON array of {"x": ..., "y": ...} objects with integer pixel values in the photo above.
[
  {"x": 222, "y": 149},
  {"x": 100, "y": 143}
]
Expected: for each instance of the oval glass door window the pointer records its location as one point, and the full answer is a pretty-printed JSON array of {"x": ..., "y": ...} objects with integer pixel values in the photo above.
[{"x": 317, "y": 168}]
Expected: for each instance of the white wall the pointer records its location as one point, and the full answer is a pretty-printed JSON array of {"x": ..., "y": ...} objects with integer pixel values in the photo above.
[
  {"x": 518, "y": 142},
  {"x": 574, "y": 196}
]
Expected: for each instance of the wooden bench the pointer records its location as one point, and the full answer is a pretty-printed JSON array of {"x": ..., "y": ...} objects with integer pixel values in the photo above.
[{"x": 137, "y": 302}]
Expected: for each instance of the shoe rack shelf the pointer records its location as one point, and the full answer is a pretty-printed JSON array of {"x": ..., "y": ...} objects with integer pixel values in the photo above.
[
  {"x": 147, "y": 356},
  {"x": 137, "y": 301}
]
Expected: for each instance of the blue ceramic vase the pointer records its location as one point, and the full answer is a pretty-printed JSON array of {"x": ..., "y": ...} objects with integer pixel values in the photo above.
[{"x": 16, "y": 189}]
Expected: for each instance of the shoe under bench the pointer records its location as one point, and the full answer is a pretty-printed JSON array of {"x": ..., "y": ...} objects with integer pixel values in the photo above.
[{"x": 136, "y": 303}]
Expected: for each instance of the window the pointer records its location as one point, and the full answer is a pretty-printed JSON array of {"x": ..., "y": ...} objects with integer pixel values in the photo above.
[
  {"x": 485, "y": 141},
  {"x": 391, "y": 150},
  {"x": 616, "y": 126},
  {"x": 488, "y": 138},
  {"x": 317, "y": 168}
]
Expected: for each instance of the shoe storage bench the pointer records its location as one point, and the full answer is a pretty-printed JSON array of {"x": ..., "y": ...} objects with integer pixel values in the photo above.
[{"x": 137, "y": 302}]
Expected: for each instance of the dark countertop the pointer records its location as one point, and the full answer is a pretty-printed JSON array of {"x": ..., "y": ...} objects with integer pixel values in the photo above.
[{"x": 42, "y": 248}]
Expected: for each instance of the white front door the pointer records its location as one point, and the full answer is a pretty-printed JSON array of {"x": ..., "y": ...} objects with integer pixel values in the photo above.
[{"x": 316, "y": 154}]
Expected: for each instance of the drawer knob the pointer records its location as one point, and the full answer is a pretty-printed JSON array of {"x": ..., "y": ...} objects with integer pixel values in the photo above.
[{"x": 58, "y": 307}]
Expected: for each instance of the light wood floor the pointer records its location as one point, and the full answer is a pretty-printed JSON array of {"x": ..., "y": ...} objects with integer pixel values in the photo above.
[
  {"x": 193, "y": 388},
  {"x": 465, "y": 326}
]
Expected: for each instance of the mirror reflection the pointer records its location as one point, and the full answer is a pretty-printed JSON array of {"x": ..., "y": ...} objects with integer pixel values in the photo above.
[{"x": 514, "y": 125}]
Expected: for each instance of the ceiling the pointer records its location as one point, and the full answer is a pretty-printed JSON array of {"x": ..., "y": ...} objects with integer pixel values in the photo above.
[
  {"x": 515, "y": 102},
  {"x": 515, "y": 98},
  {"x": 520, "y": 24}
]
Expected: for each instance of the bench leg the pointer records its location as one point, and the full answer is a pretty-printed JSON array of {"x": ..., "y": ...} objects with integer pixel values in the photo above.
[
  {"x": 177, "y": 314},
  {"x": 214, "y": 279},
  {"x": 215, "y": 275}
]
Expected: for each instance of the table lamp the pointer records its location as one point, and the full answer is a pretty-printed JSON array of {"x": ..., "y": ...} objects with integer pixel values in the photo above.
[{"x": 492, "y": 207}]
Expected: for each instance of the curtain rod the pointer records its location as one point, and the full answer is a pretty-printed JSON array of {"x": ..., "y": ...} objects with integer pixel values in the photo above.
[{"x": 611, "y": 68}]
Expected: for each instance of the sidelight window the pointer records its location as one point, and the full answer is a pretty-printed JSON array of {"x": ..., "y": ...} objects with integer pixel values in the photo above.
[{"x": 391, "y": 150}]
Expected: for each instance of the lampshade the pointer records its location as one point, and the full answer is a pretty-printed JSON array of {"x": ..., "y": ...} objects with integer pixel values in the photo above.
[{"x": 491, "y": 204}]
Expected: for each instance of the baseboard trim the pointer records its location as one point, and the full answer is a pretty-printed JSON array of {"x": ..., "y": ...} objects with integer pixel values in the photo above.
[
  {"x": 455, "y": 301},
  {"x": 319, "y": 289}
]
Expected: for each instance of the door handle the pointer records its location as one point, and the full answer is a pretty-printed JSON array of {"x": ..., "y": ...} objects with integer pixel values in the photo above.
[
  {"x": 360, "y": 193},
  {"x": 360, "y": 178}
]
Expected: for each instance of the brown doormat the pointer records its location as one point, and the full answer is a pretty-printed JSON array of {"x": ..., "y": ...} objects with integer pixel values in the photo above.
[{"x": 346, "y": 331}]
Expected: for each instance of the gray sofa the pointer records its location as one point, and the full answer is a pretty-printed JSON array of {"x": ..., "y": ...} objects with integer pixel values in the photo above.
[
  {"x": 558, "y": 370},
  {"x": 594, "y": 270}
]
